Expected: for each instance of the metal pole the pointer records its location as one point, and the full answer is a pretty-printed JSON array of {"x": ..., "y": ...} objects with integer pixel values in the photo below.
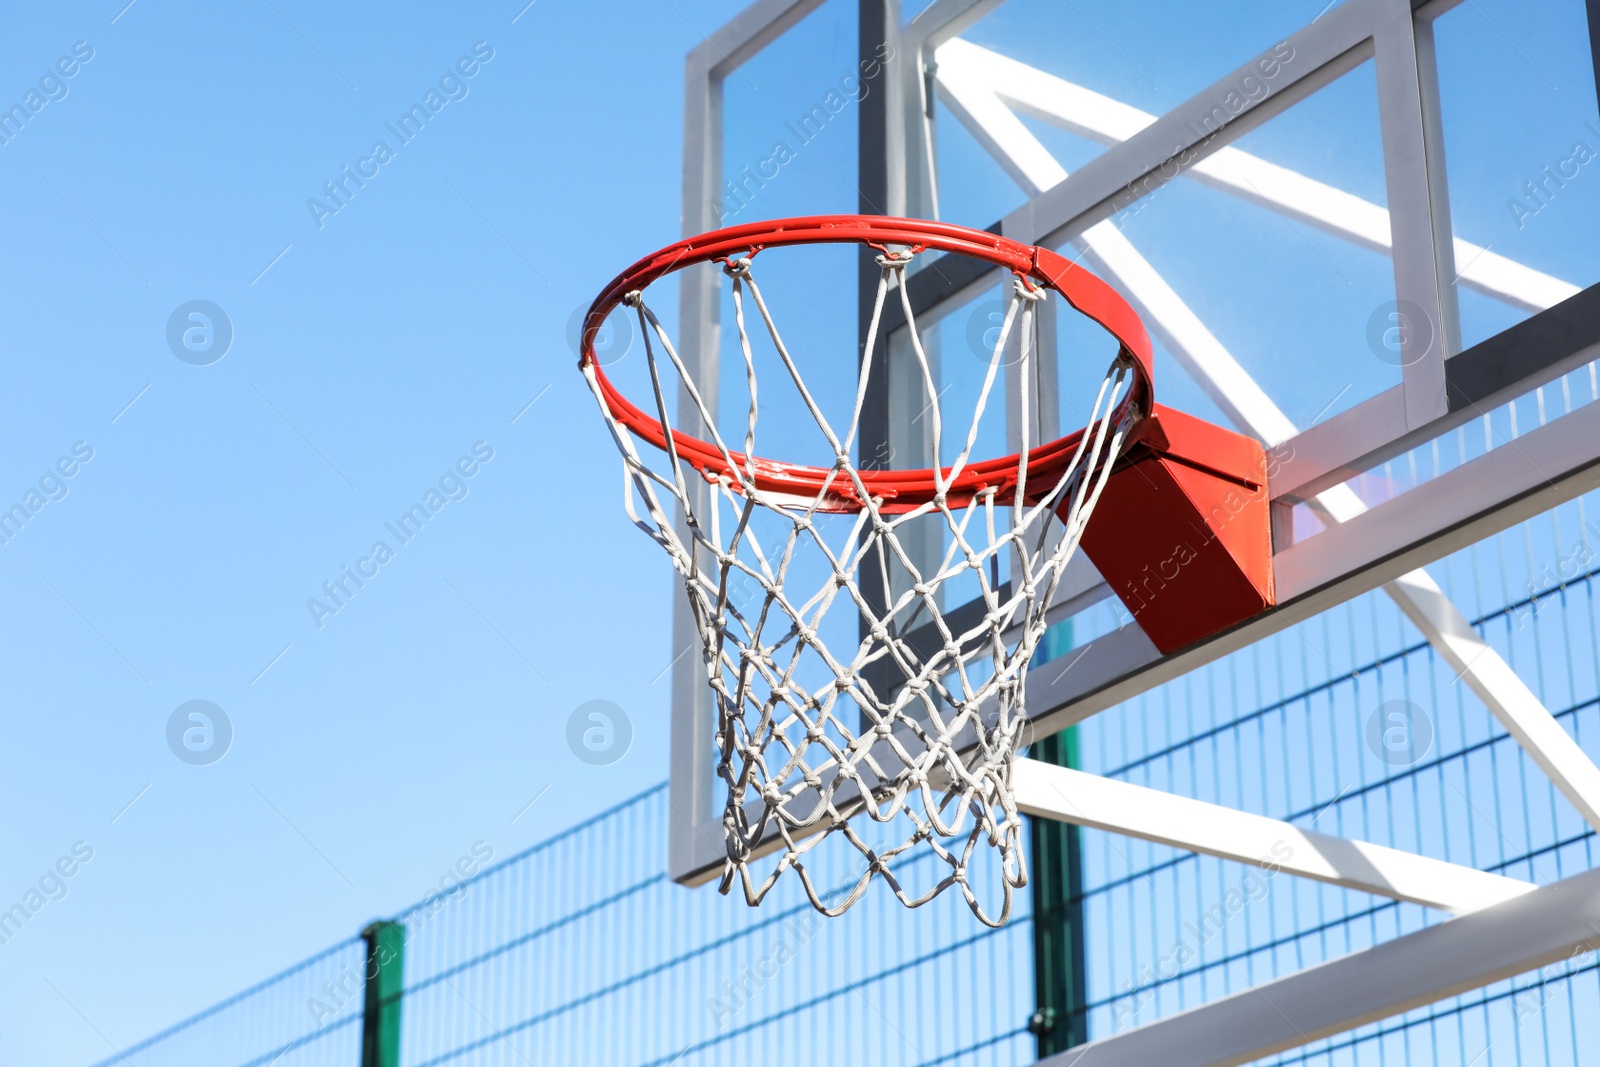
[
  {"x": 380, "y": 1023},
  {"x": 877, "y": 25},
  {"x": 1060, "y": 1019},
  {"x": 1593, "y": 11}
]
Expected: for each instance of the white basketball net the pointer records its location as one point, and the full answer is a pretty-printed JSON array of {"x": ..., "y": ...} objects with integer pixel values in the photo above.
[{"x": 926, "y": 759}]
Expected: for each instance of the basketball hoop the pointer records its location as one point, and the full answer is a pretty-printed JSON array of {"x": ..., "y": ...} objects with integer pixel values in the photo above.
[{"x": 939, "y": 722}]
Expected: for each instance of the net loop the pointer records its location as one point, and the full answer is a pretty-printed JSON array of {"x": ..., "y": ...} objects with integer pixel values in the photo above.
[{"x": 1027, "y": 290}]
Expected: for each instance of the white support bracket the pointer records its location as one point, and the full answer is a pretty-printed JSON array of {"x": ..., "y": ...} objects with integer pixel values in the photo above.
[
  {"x": 1065, "y": 795},
  {"x": 1555, "y": 923}
]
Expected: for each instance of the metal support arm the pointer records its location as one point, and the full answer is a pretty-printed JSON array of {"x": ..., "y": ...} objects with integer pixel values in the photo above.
[
  {"x": 1051, "y": 792},
  {"x": 1557, "y": 922}
]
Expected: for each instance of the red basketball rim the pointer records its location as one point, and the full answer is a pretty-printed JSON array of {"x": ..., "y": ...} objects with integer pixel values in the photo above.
[{"x": 899, "y": 490}]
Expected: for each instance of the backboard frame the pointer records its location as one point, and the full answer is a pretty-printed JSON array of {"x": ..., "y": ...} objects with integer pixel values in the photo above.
[
  {"x": 1442, "y": 387},
  {"x": 1361, "y": 549}
]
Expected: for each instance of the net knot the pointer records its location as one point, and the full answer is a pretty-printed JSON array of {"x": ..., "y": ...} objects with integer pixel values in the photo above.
[
  {"x": 894, "y": 260},
  {"x": 1026, "y": 290},
  {"x": 633, "y": 298},
  {"x": 736, "y": 268}
]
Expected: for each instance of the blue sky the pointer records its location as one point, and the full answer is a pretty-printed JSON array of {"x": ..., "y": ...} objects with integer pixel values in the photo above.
[{"x": 379, "y": 352}]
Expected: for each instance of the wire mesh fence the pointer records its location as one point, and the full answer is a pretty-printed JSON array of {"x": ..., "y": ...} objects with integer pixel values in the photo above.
[
  {"x": 273, "y": 1021},
  {"x": 1355, "y": 726},
  {"x": 581, "y": 951}
]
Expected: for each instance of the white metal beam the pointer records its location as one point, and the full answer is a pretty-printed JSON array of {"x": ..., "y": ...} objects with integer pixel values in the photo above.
[
  {"x": 1555, "y": 923},
  {"x": 1214, "y": 368},
  {"x": 733, "y": 43},
  {"x": 1419, "y": 217},
  {"x": 943, "y": 19},
  {"x": 692, "y": 778},
  {"x": 1066, "y": 795},
  {"x": 694, "y": 841}
]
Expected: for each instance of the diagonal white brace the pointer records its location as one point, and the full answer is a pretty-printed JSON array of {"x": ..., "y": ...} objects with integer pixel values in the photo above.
[
  {"x": 1525, "y": 718},
  {"x": 1046, "y": 791}
]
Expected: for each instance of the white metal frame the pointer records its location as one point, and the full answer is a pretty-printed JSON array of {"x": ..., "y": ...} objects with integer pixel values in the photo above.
[
  {"x": 1504, "y": 926},
  {"x": 694, "y": 840}
]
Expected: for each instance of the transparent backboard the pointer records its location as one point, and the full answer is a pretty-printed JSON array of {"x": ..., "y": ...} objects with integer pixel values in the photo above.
[{"x": 1365, "y": 240}]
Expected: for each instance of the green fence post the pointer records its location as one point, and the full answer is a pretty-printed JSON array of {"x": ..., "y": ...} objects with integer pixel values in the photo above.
[
  {"x": 380, "y": 1025},
  {"x": 1061, "y": 1019},
  {"x": 1058, "y": 963}
]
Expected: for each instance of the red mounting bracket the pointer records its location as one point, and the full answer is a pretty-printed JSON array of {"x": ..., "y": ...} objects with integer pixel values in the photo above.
[{"x": 1182, "y": 532}]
